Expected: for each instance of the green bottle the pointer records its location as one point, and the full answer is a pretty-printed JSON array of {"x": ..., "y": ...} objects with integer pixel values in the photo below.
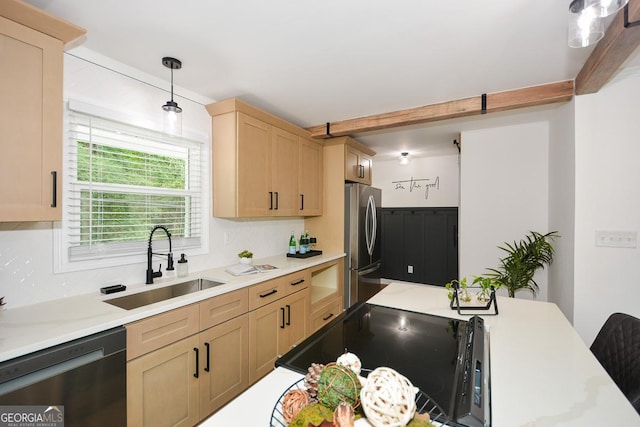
[{"x": 292, "y": 244}]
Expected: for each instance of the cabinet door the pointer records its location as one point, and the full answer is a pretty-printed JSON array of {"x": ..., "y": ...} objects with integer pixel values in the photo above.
[
  {"x": 161, "y": 387},
  {"x": 265, "y": 325},
  {"x": 352, "y": 170},
  {"x": 254, "y": 167},
  {"x": 31, "y": 115},
  {"x": 224, "y": 363},
  {"x": 296, "y": 321},
  {"x": 284, "y": 173},
  {"x": 310, "y": 170},
  {"x": 366, "y": 168}
]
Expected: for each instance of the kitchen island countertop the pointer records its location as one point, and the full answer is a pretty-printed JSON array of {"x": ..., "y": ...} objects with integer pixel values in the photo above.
[
  {"x": 35, "y": 327},
  {"x": 542, "y": 373}
]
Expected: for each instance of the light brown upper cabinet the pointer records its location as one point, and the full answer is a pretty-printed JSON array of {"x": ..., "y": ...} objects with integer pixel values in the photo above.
[
  {"x": 358, "y": 166},
  {"x": 32, "y": 44},
  {"x": 262, "y": 165},
  {"x": 310, "y": 182}
]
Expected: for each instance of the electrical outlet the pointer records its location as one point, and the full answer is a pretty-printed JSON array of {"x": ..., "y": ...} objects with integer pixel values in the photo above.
[
  {"x": 410, "y": 269},
  {"x": 225, "y": 237},
  {"x": 617, "y": 239}
]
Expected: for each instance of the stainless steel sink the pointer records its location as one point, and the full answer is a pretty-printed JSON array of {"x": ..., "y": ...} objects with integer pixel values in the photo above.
[{"x": 129, "y": 302}]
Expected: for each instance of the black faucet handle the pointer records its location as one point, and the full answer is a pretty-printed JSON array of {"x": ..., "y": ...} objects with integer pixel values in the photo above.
[
  {"x": 170, "y": 262},
  {"x": 157, "y": 273}
]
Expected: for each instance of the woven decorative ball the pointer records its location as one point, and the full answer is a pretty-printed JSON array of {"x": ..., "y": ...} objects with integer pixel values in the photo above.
[
  {"x": 293, "y": 402},
  {"x": 338, "y": 384},
  {"x": 388, "y": 398},
  {"x": 351, "y": 361}
]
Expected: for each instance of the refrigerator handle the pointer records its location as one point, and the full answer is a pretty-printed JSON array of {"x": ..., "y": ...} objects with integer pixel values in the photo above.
[
  {"x": 370, "y": 225},
  {"x": 375, "y": 267}
]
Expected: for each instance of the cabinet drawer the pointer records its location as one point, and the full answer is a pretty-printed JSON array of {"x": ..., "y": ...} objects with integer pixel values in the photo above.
[
  {"x": 160, "y": 330},
  {"x": 223, "y": 307},
  {"x": 265, "y": 292},
  {"x": 295, "y": 282},
  {"x": 325, "y": 314}
]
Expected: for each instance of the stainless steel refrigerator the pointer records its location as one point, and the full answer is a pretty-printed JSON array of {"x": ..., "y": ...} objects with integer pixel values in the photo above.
[{"x": 362, "y": 242}]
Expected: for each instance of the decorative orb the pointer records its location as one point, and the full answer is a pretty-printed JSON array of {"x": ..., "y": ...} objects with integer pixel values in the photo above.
[
  {"x": 388, "y": 398},
  {"x": 338, "y": 384},
  {"x": 351, "y": 361},
  {"x": 293, "y": 402}
]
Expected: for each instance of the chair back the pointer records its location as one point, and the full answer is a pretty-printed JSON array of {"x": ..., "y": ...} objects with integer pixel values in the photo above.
[{"x": 617, "y": 348}]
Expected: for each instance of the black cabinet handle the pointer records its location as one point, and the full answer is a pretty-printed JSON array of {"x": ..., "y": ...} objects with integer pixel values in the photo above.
[
  {"x": 207, "y": 367},
  {"x": 273, "y": 291},
  {"x": 197, "y": 350},
  {"x": 361, "y": 171},
  {"x": 297, "y": 283},
  {"x": 324, "y": 319},
  {"x": 302, "y": 202},
  {"x": 54, "y": 193},
  {"x": 270, "y": 200},
  {"x": 282, "y": 324},
  {"x": 288, "y": 314},
  {"x": 276, "y": 200}
]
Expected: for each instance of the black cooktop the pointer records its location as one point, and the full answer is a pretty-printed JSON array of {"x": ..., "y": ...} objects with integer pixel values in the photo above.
[{"x": 424, "y": 348}]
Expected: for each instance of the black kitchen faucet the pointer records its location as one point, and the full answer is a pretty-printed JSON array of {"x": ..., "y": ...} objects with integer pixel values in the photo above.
[{"x": 150, "y": 273}]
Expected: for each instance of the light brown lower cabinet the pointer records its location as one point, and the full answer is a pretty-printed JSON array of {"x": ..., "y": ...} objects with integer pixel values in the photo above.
[
  {"x": 185, "y": 364},
  {"x": 274, "y": 329},
  {"x": 183, "y": 382}
]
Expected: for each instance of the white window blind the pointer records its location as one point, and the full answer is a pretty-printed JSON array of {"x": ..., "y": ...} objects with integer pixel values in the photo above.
[{"x": 122, "y": 181}]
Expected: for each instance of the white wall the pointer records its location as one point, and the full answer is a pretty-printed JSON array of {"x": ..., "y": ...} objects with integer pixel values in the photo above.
[
  {"x": 27, "y": 249},
  {"x": 607, "y": 198},
  {"x": 562, "y": 206},
  {"x": 423, "y": 182},
  {"x": 503, "y": 194}
]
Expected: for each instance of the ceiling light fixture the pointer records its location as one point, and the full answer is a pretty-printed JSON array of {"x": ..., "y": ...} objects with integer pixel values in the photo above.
[
  {"x": 585, "y": 25},
  {"x": 404, "y": 158},
  {"x": 173, "y": 119}
]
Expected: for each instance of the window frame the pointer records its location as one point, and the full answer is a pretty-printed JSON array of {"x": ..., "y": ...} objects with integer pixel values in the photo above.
[{"x": 132, "y": 252}]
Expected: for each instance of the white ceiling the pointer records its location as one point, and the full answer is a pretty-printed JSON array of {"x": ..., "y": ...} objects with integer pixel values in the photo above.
[{"x": 313, "y": 62}]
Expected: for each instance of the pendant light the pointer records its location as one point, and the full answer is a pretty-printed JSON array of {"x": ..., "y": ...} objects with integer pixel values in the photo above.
[
  {"x": 585, "y": 25},
  {"x": 172, "y": 122}
]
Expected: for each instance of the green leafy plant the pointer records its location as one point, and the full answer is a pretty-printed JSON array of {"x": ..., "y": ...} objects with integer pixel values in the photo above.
[
  {"x": 245, "y": 254},
  {"x": 523, "y": 259},
  {"x": 485, "y": 285}
]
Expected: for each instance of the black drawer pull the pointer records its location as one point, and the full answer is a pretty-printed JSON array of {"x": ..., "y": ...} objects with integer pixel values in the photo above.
[
  {"x": 197, "y": 350},
  {"x": 282, "y": 324},
  {"x": 324, "y": 319},
  {"x": 302, "y": 202},
  {"x": 54, "y": 193},
  {"x": 297, "y": 283},
  {"x": 276, "y": 200},
  {"x": 270, "y": 200},
  {"x": 288, "y": 314},
  {"x": 207, "y": 368},
  {"x": 273, "y": 291}
]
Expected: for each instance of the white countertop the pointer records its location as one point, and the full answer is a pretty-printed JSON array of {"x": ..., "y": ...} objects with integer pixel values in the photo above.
[
  {"x": 27, "y": 329},
  {"x": 542, "y": 373}
]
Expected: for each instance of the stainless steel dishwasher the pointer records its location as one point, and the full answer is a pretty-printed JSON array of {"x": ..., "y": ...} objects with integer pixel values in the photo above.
[{"x": 87, "y": 376}]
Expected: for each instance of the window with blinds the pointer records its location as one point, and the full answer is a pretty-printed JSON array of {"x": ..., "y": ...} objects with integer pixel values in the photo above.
[{"x": 122, "y": 181}]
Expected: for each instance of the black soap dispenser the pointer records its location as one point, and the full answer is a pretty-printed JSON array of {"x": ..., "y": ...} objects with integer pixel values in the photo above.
[{"x": 183, "y": 267}]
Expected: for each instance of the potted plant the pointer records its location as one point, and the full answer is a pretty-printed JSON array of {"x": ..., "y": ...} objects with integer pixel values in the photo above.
[
  {"x": 484, "y": 286},
  {"x": 523, "y": 259},
  {"x": 245, "y": 257}
]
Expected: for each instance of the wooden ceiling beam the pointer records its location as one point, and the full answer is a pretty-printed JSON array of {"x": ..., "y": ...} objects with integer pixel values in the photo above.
[
  {"x": 611, "y": 52},
  {"x": 498, "y": 101}
]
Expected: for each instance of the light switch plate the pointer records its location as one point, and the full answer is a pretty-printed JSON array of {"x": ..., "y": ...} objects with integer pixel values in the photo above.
[
  {"x": 617, "y": 239},
  {"x": 410, "y": 269}
]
